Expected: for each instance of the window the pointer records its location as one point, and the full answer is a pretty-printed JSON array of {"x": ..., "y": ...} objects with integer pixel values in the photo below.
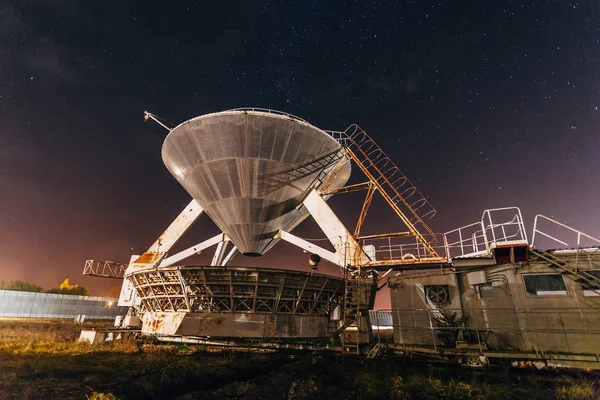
[
  {"x": 590, "y": 289},
  {"x": 545, "y": 285},
  {"x": 486, "y": 291}
]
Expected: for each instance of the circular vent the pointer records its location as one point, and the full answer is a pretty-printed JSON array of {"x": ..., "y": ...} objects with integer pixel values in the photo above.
[{"x": 437, "y": 294}]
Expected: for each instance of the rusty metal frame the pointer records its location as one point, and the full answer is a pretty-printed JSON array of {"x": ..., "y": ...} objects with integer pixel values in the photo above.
[
  {"x": 335, "y": 172},
  {"x": 357, "y": 187},
  {"x": 408, "y": 203},
  {"x": 365, "y": 209},
  {"x": 390, "y": 200},
  {"x": 159, "y": 249}
]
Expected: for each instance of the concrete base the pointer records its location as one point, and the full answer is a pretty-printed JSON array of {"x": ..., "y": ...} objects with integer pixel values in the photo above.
[
  {"x": 92, "y": 337},
  {"x": 235, "y": 325},
  {"x": 97, "y": 337}
]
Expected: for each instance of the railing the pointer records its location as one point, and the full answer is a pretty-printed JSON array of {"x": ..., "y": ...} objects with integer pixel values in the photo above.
[
  {"x": 268, "y": 111},
  {"x": 391, "y": 249},
  {"x": 470, "y": 239},
  {"x": 340, "y": 137},
  {"x": 560, "y": 330},
  {"x": 578, "y": 234},
  {"x": 481, "y": 237},
  {"x": 502, "y": 232}
]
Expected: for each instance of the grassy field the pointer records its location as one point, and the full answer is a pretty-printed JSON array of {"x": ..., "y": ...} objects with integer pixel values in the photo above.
[{"x": 41, "y": 360}]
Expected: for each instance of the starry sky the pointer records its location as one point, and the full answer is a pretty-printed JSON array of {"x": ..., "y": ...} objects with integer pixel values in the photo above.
[{"x": 482, "y": 104}]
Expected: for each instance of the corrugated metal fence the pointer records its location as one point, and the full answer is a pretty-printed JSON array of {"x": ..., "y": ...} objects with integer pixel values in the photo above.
[{"x": 19, "y": 304}]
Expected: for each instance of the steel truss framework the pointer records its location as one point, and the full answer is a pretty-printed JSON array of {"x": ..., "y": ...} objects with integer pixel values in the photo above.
[
  {"x": 236, "y": 289},
  {"x": 104, "y": 269}
]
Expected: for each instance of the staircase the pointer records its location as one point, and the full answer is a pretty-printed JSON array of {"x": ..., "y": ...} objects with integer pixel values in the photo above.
[
  {"x": 356, "y": 332},
  {"x": 564, "y": 267},
  {"x": 351, "y": 312},
  {"x": 350, "y": 343}
]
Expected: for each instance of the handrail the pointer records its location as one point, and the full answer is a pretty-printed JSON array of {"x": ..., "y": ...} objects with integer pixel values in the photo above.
[
  {"x": 470, "y": 238},
  {"x": 579, "y": 233},
  {"x": 517, "y": 220},
  {"x": 269, "y": 111}
]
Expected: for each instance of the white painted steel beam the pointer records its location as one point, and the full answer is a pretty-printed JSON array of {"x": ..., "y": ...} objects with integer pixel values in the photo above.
[
  {"x": 310, "y": 247},
  {"x": 189, "y": 252},
  {"x": 169, "y": 237},
  {"x": 220, "y": 251},
  {"x": 347, "y": 248},
  {"x": 229, "y": 256}
]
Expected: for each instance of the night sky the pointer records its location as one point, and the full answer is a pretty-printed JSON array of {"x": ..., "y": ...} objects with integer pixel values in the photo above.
[{"x": 482, "y": 104}]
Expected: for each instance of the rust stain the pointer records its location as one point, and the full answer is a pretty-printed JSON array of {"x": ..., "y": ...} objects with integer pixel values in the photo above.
[
  {"x": 148, "y": 257},
  {"x": 156, "y": 323}
]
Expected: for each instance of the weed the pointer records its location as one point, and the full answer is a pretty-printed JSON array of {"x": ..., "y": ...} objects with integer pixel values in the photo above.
[
  {"x": 101, "y": 396},
  {"x": 41, "y": 359}
]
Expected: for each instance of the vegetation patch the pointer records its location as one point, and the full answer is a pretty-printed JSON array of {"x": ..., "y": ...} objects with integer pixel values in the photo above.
[{"x": 41, "y": 359}]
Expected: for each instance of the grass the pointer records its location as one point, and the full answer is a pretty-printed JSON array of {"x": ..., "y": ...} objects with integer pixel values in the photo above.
[{"x": 42, "y": 360}]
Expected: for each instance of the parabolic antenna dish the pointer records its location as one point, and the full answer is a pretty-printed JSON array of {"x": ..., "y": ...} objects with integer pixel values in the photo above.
[{"x": 250, "y": 171}]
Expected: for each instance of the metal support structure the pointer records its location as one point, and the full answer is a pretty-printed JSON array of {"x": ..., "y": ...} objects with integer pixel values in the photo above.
[
  {"x": 394, "y": 204},
  {"x": 192, "y": 251},
  {"x": 347, "y": 248},
  {"x": 159, "y": 249},
  {"x": 402, "y": 196},
  {"x": 578, "y": 233},
  {"x": 220, "y": 251},
  {"x": 104, "y": 269},
  {"x": 348, "y": 188},
  {"x": 154, "y": 118},
  {"x": 334, "y": 258},
  {"x": 229, "y": 256},
  {"x": 364, "y": 210}
]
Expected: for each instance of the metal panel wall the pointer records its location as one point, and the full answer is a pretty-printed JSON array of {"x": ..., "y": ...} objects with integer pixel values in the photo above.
[{"x": 17, "y": 304}]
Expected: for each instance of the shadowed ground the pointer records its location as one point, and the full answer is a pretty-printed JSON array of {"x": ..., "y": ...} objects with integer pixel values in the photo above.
[{"x": 41, "y": 360}]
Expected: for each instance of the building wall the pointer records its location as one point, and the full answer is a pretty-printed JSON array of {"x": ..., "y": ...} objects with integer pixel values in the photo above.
[
  {"x": 410, "y": 309},
  {"x": 18, "y": 304},
  {"x": 509, "y": 319}
]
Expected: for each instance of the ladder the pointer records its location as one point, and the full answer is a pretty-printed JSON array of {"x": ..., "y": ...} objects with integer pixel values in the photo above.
[
  {"x": 351, "y": 312},
  {"x": 356, "y": 332},
  {"x": 556, "y": 262},
  {"x": 404, "y": 198}
]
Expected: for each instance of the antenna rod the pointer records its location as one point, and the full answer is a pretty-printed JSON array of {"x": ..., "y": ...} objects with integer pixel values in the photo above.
[{"x": 153, "y": 117}]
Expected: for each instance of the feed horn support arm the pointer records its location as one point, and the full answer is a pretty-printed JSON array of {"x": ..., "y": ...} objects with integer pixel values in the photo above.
[
  {"x": 347, "y": 250},
  {"x": 159, "y": 249}
]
